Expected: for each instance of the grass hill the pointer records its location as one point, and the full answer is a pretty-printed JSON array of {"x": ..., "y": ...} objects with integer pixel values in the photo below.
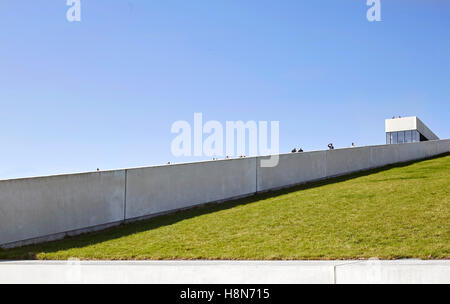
[{"x": 400, "y": 211}]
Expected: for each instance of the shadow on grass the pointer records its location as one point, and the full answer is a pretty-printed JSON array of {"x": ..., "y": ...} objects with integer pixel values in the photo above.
[{"x": 123, "y": 230}]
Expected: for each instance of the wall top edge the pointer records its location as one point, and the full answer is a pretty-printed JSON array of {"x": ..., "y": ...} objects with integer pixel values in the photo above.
[
  {"x": 399, "y": 118},
  {"x": 122, "y": 170}
]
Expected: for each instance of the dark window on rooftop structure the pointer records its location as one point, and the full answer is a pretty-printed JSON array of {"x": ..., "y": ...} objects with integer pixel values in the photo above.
[
  {"x": 394, "y": 138},
  {"x": 416, "y": 136},
  {"x": 401, "y": 137},
  {"x": 408, "y": 136}
]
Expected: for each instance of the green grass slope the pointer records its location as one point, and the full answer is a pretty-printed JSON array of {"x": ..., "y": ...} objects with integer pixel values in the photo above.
[{"x": 398, "y": 212}]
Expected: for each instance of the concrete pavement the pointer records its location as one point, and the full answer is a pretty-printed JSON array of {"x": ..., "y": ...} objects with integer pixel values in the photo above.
[{"x": 225, "y": 272}]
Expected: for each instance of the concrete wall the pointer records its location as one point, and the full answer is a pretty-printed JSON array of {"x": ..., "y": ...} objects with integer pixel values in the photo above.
[
  {"x": 292, "y": 169},
  {"x": 38, "y": 207},
  {"x": 304, "y": 167},
  {"x": 426, "y": 131},
  {"x": 160, "y": 189},
  {"x": 41, "y": 209},
  {"x": 343, "y": 161}
]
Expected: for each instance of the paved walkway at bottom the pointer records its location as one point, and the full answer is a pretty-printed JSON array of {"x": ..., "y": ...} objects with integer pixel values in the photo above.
[{"x": 225, "y": 272}]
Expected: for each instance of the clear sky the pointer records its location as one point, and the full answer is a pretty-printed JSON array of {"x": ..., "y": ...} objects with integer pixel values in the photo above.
[{"x": 104, "y": 92}]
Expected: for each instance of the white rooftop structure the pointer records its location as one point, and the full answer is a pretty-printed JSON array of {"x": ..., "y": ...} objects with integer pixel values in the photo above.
[{"x": 406, "y": 130}]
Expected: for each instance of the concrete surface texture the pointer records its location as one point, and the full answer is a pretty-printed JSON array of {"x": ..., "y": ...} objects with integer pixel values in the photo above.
[
  {"x": 160, "y": 189},
  {"x": 47, "y": 208},
  {"x": 32, "y": 208},
  {"x": 226, "y": 272},
  {"x": 342, "y": 161},
  {"x": 292, "y": 169}
]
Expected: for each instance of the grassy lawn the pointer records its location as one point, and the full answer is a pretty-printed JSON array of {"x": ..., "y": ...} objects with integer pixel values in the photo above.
[{"x": 397, "y": 212}]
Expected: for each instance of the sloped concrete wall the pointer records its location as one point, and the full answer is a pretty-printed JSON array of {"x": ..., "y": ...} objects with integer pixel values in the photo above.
[
  {"x": 160, "y": 189},
  {"x": 46, "y": 208},
  {"x": 292, "y": 169},
  {"x": 443, "y": 146},
  {"x": 343, "y": 161},
  {"x": 304, "y": 167},
  {"x": 38, "y": 207}
]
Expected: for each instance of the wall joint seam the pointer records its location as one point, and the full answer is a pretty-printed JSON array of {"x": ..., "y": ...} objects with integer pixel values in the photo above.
[{"x": 125, "y": 197}]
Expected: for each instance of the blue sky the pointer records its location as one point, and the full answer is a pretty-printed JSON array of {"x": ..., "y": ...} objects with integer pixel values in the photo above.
[{"x": 104, "y": 92}]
